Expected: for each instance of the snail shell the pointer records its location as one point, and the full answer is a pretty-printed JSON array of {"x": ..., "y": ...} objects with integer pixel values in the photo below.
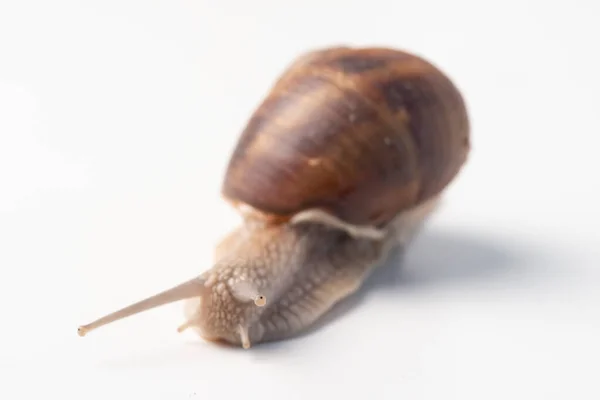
[
  {"x": 361, "y": 134},
  {"x": 341, "y": 163}
]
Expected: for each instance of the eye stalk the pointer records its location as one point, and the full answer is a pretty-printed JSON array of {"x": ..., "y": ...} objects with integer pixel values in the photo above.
[
  {"x": 243, "y": 291},
  {"x": 246, "y": 291},
  {"x": 192, "y": 288}
]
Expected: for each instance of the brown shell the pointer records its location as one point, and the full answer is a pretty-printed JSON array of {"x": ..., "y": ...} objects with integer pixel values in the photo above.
[{"x": 361, "y": 133}]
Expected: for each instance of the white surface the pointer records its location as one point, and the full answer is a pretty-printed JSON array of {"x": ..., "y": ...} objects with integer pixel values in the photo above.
[{"x": 116, "y": 122}]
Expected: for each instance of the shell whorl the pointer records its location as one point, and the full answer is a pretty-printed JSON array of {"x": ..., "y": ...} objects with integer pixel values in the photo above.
[{"x": 360, "y": 133}]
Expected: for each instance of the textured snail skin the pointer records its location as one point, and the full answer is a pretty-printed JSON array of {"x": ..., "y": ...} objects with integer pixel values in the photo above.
[
  {"x": 341, "y": 163},
  {"x": 302, "y": 270}
]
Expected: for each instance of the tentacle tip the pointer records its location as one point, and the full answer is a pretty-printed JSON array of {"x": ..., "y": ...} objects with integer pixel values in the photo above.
[
  {"x": 82, "y": 331},
  {"x": 185, "y": 326},
  {"x": 260, "y": 301}
]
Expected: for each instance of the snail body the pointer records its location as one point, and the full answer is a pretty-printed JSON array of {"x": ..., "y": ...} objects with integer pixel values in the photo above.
[{"x": 341, "y": 163}]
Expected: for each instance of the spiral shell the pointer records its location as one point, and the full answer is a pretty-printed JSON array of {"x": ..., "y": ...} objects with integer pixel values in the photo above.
[{"x": 361, "y": 133}]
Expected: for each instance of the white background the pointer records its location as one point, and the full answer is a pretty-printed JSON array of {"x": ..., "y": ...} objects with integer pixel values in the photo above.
[{"x": 117, "y": 119}]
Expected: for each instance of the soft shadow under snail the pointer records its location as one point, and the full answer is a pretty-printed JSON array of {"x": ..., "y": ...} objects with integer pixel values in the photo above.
[{"x": 342, "y": 162}]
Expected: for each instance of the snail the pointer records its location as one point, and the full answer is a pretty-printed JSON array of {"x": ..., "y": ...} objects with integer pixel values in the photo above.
[{"x": 341, "y": 163}]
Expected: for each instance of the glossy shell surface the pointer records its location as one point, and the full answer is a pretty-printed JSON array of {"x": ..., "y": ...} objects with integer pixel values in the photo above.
[{"x": 362, "y": 133}]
